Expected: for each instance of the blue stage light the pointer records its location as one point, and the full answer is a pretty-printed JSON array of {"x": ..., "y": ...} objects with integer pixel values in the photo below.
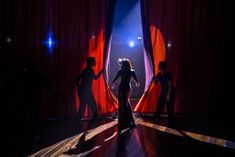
[
  {"x": 50, "y": 42},
  {"x": 131, "y": 43}
]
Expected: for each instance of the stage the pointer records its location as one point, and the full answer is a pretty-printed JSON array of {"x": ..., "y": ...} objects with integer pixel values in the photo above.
[{"x": 150, "y": 137}]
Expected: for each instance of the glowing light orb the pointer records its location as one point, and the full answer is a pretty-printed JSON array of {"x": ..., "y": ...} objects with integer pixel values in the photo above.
[
  {"x": 131, "y": 43},
  {"x": 50, "y": 42},
  {"x": 169, "y": 45}
]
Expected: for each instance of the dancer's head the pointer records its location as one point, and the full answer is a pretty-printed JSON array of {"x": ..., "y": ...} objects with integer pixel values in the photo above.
[
  {"x": 125, "y": 63},
  {"x": 90, "y": 62},
  {"x": 162, "y": 65}
]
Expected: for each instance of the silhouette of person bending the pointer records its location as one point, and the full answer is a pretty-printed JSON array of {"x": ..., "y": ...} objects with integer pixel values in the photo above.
[
  {"x": 167, "y": 95},
  {"x": 125, "y": 117},
  {"x": 84, "y": 84}
]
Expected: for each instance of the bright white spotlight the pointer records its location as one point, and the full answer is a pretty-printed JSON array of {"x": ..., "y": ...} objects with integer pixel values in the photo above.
[
  {"x": 8, "y": 40},
  {"x": 169, "y": 45},
  {"x": 131, "y": 43},
  {"x": 139, "y": 38}
]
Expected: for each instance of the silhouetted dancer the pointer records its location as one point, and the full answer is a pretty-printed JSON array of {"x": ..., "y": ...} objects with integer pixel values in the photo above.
[
  {"x": 84, "y": 84},
  {"x": 167, "y": 95},
  {"x": 125, "y": 117}
]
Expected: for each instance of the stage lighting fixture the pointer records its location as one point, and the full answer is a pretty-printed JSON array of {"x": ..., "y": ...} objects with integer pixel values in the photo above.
[
  {"x": 169, "y": 45},
  {"x": 50, "y": 41},
  {"x": 8, "y": 40},
  {"x": 131, "y": 43}
]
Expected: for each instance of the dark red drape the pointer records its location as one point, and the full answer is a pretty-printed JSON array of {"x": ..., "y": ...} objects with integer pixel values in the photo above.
[
  {"x": 79, "y": 28},
  {"x": 187, "y": 26},
  {"x": 198, "y": 31}
]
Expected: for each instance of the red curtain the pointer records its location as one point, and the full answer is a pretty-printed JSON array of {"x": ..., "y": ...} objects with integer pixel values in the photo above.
[
  {"x": 198, "y": 31},
  {"x": 148, "y": 101},
  {"x": 186, "y": 25},
  {"x": 80, "y": 28}
]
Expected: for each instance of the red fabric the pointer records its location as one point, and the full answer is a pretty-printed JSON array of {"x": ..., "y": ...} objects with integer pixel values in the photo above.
[
  {"x": 105, "y": 100},
  {"x": 150, "y": 97},
  {"x": 79, "y": 28},
  {"x": 187, "y": 26},
  {"x": 198, "y": 31}
]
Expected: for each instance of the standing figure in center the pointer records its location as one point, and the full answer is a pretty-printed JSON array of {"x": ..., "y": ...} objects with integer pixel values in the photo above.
[{"x": 126, "y": 73}]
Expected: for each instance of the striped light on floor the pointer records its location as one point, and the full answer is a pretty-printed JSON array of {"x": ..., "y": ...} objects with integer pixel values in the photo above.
[
  {"x": 199, "y": 137},
  {"x": 70, "y": 143}
]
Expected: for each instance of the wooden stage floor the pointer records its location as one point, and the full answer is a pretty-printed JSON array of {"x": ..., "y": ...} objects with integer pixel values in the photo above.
[
  {"x": 99, "y": 138},
  {"x": 149, "y": 138}
]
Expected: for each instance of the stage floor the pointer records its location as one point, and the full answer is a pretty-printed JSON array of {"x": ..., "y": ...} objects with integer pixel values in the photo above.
[{"x": 151, "y": 137}]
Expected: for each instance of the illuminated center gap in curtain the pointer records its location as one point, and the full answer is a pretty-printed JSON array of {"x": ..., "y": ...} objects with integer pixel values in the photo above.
[
  {"x": 148, "y": 102},
  {"x": 127, "y": 42}
]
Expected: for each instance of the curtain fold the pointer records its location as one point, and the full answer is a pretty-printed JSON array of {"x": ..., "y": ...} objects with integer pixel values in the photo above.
[
  {"x": 99, "y": 48},
  {"x": 196, "y": 30},
  {"x": 179, "y": 32},
  {"x": 79, "y": 28},
  {"x": 154, "y": 45}
]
